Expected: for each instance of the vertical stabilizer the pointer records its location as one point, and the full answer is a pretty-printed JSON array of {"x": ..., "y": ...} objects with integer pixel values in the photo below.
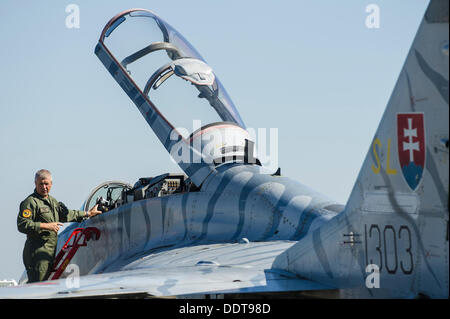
[
  {"x": 409, "y": 153},
  {"x": 396, "y": 218},
  {"x": 402, "y": 191}
]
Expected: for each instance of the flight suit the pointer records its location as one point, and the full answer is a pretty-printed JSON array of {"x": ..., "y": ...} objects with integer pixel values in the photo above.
[{"x": 40, "y": 246}]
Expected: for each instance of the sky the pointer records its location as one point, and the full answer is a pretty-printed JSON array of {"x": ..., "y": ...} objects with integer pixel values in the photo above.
[{"x": 311, "y": 69}]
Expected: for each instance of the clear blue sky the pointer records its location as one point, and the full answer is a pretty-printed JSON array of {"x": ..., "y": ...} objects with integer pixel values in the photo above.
[{"x": 310, "y": 68}]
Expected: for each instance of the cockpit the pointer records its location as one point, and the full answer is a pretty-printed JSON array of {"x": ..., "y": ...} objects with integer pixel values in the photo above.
[{"x": 176, "y": 91}]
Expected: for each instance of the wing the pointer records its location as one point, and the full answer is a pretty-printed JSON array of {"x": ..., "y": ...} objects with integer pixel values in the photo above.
[{"x": 184, "y": 271}]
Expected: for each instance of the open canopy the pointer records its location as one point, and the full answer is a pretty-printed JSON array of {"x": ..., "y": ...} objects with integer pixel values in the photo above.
[
  {"x": 152, "y": 52},
  {"x": 170, "y": 83}
]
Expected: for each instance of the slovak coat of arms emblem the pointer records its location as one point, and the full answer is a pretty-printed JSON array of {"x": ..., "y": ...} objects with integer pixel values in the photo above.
[{"x": 411, "y": 146}]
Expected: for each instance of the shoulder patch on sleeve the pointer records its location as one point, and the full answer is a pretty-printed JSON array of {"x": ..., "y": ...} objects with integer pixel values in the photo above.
[{"x": 26, "y": 213}]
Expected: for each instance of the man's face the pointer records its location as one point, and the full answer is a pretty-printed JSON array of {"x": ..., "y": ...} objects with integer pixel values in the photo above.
[{"x": 43, "y": 186}]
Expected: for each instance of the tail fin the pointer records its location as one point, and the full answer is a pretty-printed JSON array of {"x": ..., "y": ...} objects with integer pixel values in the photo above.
[
  {"x": 403, "y": 187},
  {"x": 396, "y": 218},
  {"x": 409, "y": 153}
]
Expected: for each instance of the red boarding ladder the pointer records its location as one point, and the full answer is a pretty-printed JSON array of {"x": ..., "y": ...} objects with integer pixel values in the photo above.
[{"x": 69, "y": 249}]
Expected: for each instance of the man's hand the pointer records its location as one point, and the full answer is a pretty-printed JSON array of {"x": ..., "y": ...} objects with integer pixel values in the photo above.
[
  {"x": 93, "y": 211},
  {"x": 51, "y": 226}
]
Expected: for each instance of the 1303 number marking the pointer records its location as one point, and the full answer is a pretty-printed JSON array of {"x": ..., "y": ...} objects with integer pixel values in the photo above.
[{"x": 389, "y": 248}]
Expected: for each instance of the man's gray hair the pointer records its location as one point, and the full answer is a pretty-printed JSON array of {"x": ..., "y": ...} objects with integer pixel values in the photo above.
[{"x": 42, "y": 173}]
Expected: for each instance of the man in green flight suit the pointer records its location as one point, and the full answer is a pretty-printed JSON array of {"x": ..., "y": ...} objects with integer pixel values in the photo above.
[{"x": 40, "y": 217}]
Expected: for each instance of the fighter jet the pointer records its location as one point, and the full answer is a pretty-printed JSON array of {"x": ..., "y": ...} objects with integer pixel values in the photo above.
[{"x": 228, "y": 226}]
